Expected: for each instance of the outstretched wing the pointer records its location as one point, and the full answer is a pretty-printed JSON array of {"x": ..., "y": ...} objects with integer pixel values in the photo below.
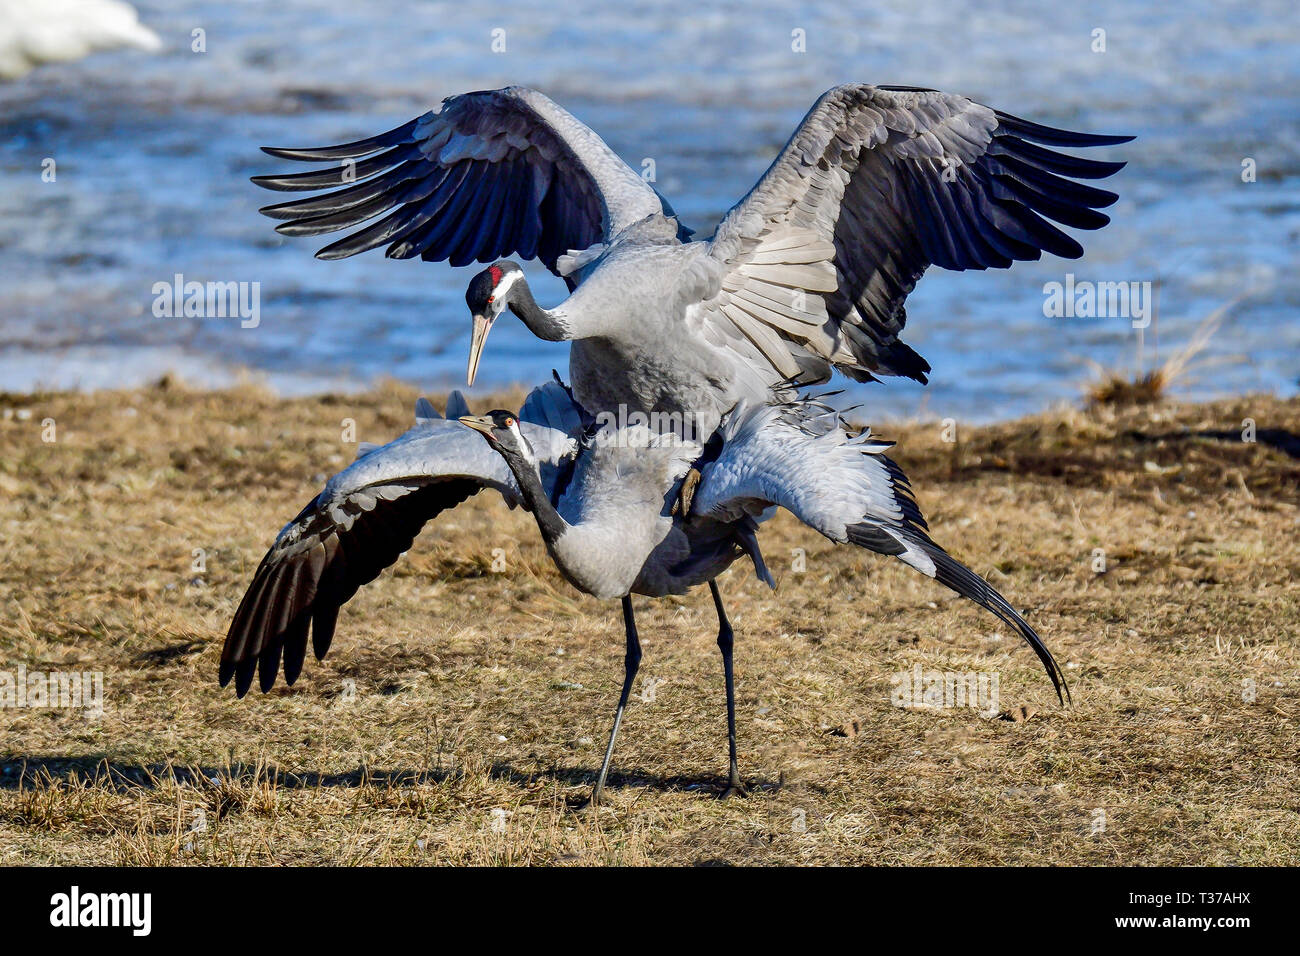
[
  {"x": 491, "y": 174},
  {"x": 800, "y": 457},
  {"x": 877, "y": 184},
  {"x": 366, "y": 517}
]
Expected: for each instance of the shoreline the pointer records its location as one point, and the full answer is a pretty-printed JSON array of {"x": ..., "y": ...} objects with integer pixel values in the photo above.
[{"x": 291, "y": 387}]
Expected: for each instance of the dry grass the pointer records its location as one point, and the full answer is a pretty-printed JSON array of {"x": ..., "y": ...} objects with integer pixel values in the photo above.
[
  {"x": 482, "y": 700},
  {"x": 1121, "y": 389}
]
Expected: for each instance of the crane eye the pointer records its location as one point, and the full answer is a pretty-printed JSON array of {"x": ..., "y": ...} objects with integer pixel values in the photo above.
[
  {"x": 510, "y": 423},
  {"x": 491, "y": 298}
]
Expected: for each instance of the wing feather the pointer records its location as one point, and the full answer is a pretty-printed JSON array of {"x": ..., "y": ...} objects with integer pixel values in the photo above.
[
  {"x": 536, "y": 182},
  {"x": 366, "y": 517},
  {"x": 883, "y": 182},
  {"x": 800, "y": 456}
]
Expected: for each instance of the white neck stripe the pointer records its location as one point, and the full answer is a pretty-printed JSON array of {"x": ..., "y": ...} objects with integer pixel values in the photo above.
[{"x": 504, "y": 285}]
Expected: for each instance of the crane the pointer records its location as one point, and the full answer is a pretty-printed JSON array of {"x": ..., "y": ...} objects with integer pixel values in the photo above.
[
  {"x": 606, "y": 499},
  {"x": 809, "y": 272}
]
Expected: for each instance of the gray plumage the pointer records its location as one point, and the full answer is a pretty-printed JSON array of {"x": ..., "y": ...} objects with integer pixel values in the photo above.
[
  {"x": 808, "y": 272},
  {"x": 801, "y": 456},
  {"x": 614, "y": 531},
  {"x": 607, "y": 500},
  {"x": 621, "y": 537},
  {"x": 609, "y": 494},
  {"x": 366, "y": 517}
]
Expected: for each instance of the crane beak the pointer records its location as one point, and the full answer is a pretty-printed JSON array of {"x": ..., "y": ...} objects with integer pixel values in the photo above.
[
  {"x": 482, "y": 325},
  {"x": 481, "y": 424}
]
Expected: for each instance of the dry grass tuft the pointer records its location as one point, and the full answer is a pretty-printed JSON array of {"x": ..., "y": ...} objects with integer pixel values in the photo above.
[
  {"x": 1116, "y": 389},
  {"x": 1120, "y": 389},
  {"x": 461, "y": 711}
]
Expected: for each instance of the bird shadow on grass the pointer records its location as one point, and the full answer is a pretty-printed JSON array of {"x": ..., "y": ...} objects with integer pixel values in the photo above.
[
  {"x": 1285, "y": 441},
  {"x": 1220, "y": 451},
  {"x": 99, "y": 770}
]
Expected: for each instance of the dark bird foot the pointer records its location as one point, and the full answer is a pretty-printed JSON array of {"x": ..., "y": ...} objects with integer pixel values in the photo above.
[
  {"x": 736, "y": 789},
  {"x": 589, "y": 806},
  {"x": 682, "y": 506}
]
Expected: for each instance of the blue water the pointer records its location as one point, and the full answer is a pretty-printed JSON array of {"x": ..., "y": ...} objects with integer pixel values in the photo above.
[{"x": 154, "y": 152}]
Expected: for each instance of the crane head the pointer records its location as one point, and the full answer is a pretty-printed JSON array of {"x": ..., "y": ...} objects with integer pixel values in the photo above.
[
  {"x": 487, "y": 297},
  {"x": 501, "y": 429}
]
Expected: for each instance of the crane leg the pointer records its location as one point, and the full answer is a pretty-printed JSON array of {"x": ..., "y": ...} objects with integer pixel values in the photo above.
[
  {"x": 725, "y": 640},
  {"x": 631, "y": 661}
]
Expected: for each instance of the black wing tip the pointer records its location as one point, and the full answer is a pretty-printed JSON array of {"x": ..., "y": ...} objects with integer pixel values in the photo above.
[
  {"x": 1056, "y": 136},
  {"x": 953, "y": 574},
  {"x": 1065, "y": 137},
  {"x": 1107, "y": 139},
  {"x": 243, "y": 672},
  {"x": 267, "y": 681},
  {"x": 956, "y": 576},
  {"x": 304, "y": 154},
  {"x": 352, "y": 150},
  {"x": 280, "y": 183},
  {"x": 333, "y": 251},
  {"x": 906, "y": 361}
]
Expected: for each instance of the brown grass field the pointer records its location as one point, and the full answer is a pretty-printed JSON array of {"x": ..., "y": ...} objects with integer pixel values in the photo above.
[{"x": 479, "y": 701}]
